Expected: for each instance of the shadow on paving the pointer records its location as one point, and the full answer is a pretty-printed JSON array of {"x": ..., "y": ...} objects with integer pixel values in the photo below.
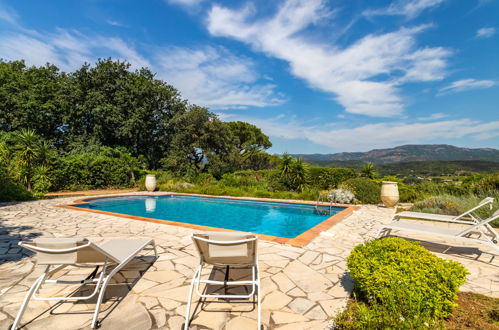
[
  {"x": 115, "y": 293},
  {"x": 463, "y": 252},
  {"x": 220, "y": 305},
  {"x": 10, "y": 236}
]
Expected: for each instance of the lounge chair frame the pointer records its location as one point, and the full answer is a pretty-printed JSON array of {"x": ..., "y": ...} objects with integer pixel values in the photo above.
[
  {"x": 196, "y": 280},
  {"x": 486, "y": 234},
  {"x": 101, "y": 281}
]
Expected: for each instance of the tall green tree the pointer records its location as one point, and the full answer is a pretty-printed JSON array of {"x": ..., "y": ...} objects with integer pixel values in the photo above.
[
  {"x": 251, "y": 143},
  {"x": 118, "y": 107},
  {"x": 200, "y": 142},
  {"x": 30, "y": 97}
]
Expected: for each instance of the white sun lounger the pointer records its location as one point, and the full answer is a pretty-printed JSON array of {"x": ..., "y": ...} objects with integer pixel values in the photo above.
[
  {"x": 225, "y": 249},
  {"x": 485, "y": 235},
  {"x": 80, "y": 252},
  {"x": 465, "y": 218}
]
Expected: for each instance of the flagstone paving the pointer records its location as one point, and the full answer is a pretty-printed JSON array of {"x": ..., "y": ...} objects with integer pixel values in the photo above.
[{"x": 302, "y": 288}]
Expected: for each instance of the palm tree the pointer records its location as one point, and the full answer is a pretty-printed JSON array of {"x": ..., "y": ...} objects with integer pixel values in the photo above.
[
  {"x": 299, "y": 174},
  {"x": 286, "y": 163},
  {"x": 27, "y": 152},
  {"x": 369, "y": 171}
]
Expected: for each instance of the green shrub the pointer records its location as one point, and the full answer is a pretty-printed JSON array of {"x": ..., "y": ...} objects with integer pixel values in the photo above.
[
  {"x": 327, "y": 177},
  {"x": 11, "y": 191},
  {"x": 365, "y": 190},
  {"x": 405, "y": 280},
  {"x": 106, "y": 167}
]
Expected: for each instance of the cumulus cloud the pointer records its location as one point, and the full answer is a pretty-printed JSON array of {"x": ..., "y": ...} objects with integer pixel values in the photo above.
[
  {"x": 215, "y": 77},
  {"x": 408, "y": 8},
  {"x": 364, "y": 76},
  {"x": 466, "y": 85},
  {"x": 379, "y": 135},
  {"x": 485, "y": 32}
]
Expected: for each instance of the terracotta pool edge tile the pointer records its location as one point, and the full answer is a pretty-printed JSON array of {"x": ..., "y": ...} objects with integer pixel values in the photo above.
[{"x": 298, "y": 241}]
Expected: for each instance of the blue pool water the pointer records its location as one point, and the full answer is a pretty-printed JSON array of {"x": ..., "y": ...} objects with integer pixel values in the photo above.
[{"x": 270, "y": 218}]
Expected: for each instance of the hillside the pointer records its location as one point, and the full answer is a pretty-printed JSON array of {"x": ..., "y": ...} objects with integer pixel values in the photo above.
[{"x": 406, "y": 153}]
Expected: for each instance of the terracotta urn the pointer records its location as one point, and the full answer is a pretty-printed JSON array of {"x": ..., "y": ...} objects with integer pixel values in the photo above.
[
  {"x": 150, "y": 182},
  {"x": 389, "y": 193}
]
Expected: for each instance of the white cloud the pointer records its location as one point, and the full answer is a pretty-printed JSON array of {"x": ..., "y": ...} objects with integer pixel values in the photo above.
[
  {"x": 207, "y": 76},
  {"x": 364, "y": 76},
  {"x": 433, "y": 116},
  {"x": 485, "y": 32},
  {"x": 408, "y": 8},
  {"x": 380, "y": 135},
  {"x": 66, "y": 49},
  {"x": 115, "y": 23},
  {"x": 467, "y": 85},
  {"x": 8, "y": 15},
  {"x": 185, "y": 3},
  {"x": 215, "y": 77}
]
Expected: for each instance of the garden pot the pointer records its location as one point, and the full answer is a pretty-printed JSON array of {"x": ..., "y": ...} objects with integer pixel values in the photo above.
[
  {"x": 389, "y": 193},
  {"x": 150, "y": 182}
]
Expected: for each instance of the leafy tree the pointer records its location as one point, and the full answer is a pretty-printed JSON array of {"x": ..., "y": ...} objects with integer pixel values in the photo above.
[
  {"x": 369, "y": 171},
  {"x": 250, "y": 143},
  {"x": 117, "y": 107},
  {"x": 200, "y": 142},
  {"x": 30, "y": 97}
]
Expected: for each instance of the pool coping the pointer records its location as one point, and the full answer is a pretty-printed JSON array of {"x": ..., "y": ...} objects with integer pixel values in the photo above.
[{"x": 298, "y": 241}]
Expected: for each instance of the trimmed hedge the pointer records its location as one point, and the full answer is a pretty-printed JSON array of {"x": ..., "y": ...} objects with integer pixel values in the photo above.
[
  {"x": 404, "y": 281},
  {"x": 365, "y": 190}
]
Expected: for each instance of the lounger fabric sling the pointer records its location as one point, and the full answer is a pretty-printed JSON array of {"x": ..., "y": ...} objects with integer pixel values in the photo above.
[
  {"x": 464, "y": 232},
  {"x": 63, "y": 252},
  {"x": 225, "y": 249}
]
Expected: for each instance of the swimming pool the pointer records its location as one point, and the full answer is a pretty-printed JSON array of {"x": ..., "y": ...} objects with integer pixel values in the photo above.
[{"x": 280, "y": 219}]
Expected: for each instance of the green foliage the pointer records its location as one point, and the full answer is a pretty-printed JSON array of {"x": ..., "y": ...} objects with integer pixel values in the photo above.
[
  {"x": 328, "y": 178},
  {"x": 366, "y": 191},
  {"x": 412, "y": 286},
  {"x": 292, "y": 173},
  {"x": 102, "y": 168},
  {"x": 369, "y": 171}
]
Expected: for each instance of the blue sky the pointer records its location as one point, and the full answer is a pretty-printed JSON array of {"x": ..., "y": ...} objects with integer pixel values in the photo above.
[{"x": 316, "y": 76}]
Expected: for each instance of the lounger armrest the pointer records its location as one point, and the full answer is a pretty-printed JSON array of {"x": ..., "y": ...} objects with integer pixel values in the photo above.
[{"x": 40, "y": 249}]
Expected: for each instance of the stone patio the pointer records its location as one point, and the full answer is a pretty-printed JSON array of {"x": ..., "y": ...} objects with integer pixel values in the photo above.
[{"x": 302, "y": 288}]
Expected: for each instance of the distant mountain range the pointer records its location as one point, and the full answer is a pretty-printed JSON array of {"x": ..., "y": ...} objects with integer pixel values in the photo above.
[{"x": 406, "y": 153}]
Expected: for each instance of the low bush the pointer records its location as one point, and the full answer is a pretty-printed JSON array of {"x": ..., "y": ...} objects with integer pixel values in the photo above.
[
  {"x": 366, "y": 191},
  {"x": 11, "y": 191},
  {"x": 400, "y": 284}
]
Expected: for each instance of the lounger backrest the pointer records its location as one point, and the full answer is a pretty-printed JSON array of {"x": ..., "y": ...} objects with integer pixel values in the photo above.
[
  {"x": 483, "y": 202},
  {"x": 481, "y": 223},
  {"x": 226, "y": 248},
  {"x": 65, "y": 251}
]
